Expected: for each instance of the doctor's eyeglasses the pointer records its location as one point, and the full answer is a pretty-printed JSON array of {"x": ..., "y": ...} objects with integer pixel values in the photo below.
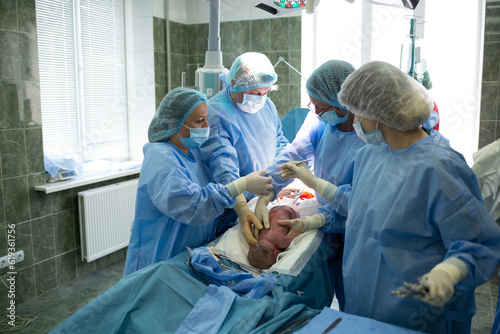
[{"x": 320, "y": 111}]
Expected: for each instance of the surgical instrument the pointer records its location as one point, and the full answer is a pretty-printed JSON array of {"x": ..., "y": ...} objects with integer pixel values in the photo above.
[
  {"x": 297, "y": 324},
  {"x": 417, "y": 291},
  {"x": 247, "y": 268},
  {"x": 335, "y": 323},
  {"x": 278, "y": 169}
]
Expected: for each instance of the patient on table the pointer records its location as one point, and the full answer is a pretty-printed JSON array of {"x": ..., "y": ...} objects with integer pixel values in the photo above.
[{"x": 272, "y": 241}]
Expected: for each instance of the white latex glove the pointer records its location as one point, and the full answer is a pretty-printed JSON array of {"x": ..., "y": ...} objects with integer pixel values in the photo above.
[
  {"x": 300, "y": 225},
  {"x": 253, "y": 182},
  {"x": 214, "y": 253},
  {"x": 441, "y": 279},
  {"x": 261, "y": 210},
  {"x": 291, "y": 171},
  {"x": 247, "y": 219},
  {"x": 324, "y": 188}
]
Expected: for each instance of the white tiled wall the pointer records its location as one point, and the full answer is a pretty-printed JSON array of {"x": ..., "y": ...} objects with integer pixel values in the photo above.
[{"x": 140, "y": 70}]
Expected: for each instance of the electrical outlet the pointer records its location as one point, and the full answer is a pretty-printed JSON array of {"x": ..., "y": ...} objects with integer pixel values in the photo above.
[{"x": 4, "y": 260}]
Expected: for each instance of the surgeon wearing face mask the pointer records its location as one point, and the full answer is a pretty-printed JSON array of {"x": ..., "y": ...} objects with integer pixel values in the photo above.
[
  {"x": 177, "y": 205},
  {"x": 328, "y": 140},
  {"x": 245, "y": 130},
  {"x": 414, "y": 211}
]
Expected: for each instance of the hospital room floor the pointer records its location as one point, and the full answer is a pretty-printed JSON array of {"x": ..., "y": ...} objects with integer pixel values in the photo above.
[{"x": 54, "y": 307}]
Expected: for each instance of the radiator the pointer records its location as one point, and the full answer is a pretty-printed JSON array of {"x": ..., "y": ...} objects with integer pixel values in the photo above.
[{"x": 106, "y": 216}]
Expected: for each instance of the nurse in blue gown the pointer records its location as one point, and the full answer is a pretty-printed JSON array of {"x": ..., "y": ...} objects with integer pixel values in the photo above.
[
  {"x": 176, "y": 203},
  {"x": 327, "y": 138},
  {"x": 245, "y": 129},
  {"x": 414, "y": 210},
  {"x": 496, "y": 324}
]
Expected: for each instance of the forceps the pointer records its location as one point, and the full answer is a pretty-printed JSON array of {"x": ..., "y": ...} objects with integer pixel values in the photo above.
[
  {"x": 417, "y": 291},
  {"x": 278, "y": 169}
]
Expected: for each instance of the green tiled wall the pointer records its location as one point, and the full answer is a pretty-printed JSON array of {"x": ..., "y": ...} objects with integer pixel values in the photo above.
[
  {"x": 46, "y": 226},
  {"x": 273, "y": 37},
  {"x": 490, "y": 93}
]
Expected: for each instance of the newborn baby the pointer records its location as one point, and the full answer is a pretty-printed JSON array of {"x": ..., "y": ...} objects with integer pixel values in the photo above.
[{"x": 274, "y": 240}]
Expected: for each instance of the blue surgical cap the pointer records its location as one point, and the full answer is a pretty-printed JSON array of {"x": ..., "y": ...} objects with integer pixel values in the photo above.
[
  {"x": 325, "y": 82},
  {"x": 173, "y": 111},
  {"x": 249, "y": 71},
  {"x": 382, "y": 92}
]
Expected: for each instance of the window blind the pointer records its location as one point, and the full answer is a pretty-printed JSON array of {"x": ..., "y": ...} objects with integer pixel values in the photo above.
[{"x": 82, "y": 78}]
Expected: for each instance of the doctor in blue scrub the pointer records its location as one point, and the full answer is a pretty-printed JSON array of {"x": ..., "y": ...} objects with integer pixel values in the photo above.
[
  {"x": 245, "y": 130},
  {"x": 414, "y": 210},
  {"x": 327, "y": 138},
  {"x": 176, "y": 203}
]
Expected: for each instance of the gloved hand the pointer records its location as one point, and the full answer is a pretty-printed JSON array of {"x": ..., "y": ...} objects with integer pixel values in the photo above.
[
  {"x": 324, "y": 188},
  {"x": 261, "y": 210},
  {"x": 441, "y": 279},
  {"x": 253, "y": 182},
  {"x": 291, "y": 171},
  {"x": 300, "y": 225},
  {"x": 247, "y": 219},
  {"x": 213, "y": 252}
]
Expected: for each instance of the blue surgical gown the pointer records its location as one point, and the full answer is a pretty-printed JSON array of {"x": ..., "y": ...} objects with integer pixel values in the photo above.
[
  {"x": 407, "y": 211},
  {"x": 176, "y": 205},
  {"x": 240, "y": 143},
  {"x": 331, "y": 152},
  {"x": 496, "y": 323}
]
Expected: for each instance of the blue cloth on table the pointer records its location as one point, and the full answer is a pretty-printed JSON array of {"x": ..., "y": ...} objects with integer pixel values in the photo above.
[
  {"x": 158, "y": 298},
  {"x": 249, "y": 286},
  {"x": 350, "y": 324}
]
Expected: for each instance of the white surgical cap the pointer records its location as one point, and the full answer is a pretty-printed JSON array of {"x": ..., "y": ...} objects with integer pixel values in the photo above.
[
  {"x": 173, "y": 111},
  {"x": 249, "y": 71},
  {"x": 325, "y": 82},
  {"x": 382, "y": 92}
]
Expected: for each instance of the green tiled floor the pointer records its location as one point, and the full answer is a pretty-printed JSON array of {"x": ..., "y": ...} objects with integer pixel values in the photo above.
[{"x": 56, "y": 306}]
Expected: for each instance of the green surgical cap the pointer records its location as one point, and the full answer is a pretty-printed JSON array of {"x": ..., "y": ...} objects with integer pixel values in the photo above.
[
  {"x": 382, "y": 92},
  {"x": 249, "y": 71},
  {"x": 173, "y": 111},
  {"x": 325, "y": 82}
]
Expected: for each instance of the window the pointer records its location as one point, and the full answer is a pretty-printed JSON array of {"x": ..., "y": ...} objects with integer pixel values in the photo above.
[{"x": 81, "y": 51}]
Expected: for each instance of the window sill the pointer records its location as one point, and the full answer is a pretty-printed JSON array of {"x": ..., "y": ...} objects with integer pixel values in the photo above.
[{"x": 49, "y": 188}]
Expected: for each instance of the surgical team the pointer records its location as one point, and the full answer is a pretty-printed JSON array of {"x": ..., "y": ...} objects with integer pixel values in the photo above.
[{"x": 398, "y": 203}]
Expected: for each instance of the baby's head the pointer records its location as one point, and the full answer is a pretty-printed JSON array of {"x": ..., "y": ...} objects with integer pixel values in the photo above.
[{"x": 263, "y": 254}]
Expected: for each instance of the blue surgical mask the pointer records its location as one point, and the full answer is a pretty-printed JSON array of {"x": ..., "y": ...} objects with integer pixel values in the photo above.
[
  {"x": 331, "y": 117},
  {"x": 197, "y": 136},
  {"x": 252, "y": 103},
  {"x": 374, "y": 137}
]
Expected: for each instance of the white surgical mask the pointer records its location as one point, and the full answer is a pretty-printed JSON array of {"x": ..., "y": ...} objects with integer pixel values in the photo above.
[
  {"x": 197, "y": 136},
  {"x": 252, "y": 103},
  {"x": 374, "y": 137}
]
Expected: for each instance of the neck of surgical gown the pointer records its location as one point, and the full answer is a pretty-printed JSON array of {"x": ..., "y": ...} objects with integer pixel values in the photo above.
[
  {"x": 408, "y": 211},
  {"x": 240, "y": 143},
  {"x": 176, "y": 206}
]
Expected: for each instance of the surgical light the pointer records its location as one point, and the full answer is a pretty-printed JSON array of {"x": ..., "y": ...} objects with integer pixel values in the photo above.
[{"x": 282, "y": 7}]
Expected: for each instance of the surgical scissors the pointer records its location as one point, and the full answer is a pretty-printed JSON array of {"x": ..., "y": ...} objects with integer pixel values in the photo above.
[{"x": 278, "y": 169}]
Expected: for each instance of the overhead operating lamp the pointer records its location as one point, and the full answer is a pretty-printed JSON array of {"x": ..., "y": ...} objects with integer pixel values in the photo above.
[{"x": 282, "y": 7}]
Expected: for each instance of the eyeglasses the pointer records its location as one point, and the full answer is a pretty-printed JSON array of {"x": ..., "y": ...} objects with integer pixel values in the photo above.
[{"x": 320, "y": 111}]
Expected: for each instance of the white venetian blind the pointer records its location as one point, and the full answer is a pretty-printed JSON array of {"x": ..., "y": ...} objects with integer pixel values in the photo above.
[{"x": 82, "y": 78}]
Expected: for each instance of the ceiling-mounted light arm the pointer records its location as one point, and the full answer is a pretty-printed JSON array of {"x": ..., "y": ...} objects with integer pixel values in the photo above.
[
  {"x": 410, "y": 4},
  {"x": 281, "y": 59}
]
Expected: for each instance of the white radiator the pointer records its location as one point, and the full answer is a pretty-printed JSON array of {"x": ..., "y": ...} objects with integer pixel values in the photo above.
[{"x": 106, "y": 216}]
